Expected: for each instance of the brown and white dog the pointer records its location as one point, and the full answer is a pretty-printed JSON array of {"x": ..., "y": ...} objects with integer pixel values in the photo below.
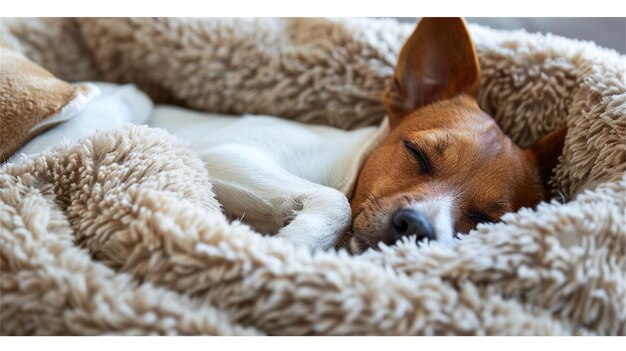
[
  {"x": 446, "y": 165},
  {"x": 443, "y": 167}
]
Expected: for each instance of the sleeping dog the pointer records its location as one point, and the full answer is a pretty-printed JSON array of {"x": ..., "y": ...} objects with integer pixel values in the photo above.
[{"x": 437, "y": 166}]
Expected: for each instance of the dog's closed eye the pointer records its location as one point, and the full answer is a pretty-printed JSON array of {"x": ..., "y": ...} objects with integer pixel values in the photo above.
[
  {"x": 420, "y": 157},
  {"x": 479, "y": 217}
]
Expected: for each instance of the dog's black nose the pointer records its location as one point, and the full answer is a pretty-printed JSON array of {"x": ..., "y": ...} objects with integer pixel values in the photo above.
[{"x": 407, "y": 221}]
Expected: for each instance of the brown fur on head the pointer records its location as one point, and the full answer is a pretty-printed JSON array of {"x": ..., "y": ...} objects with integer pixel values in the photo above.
[{"x": 445, "y": 163}]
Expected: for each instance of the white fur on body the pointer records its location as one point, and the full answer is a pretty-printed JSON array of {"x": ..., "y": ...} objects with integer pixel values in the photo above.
[{"x": 279, "y": 176}]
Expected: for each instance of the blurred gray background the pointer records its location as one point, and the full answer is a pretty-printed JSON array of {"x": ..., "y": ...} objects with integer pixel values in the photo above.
[{"x": 607, "y": 32}]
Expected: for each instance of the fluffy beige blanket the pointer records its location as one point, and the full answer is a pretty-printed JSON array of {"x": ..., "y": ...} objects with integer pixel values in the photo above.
[{"x": 121, "y": 233}]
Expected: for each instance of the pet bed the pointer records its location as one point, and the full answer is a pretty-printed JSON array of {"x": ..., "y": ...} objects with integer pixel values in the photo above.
[{"x": 120, "y": 233}]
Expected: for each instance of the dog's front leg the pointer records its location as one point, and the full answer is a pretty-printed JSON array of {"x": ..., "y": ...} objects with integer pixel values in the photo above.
[
  {"x": 251, "y": 185},
  {"x": 320, "y": 217}
]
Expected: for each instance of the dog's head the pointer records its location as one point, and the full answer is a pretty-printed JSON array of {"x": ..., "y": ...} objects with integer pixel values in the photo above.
[{"x": 445, "y": 165}]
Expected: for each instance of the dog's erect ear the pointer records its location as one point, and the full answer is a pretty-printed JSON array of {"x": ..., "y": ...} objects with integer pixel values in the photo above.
[
  {"x": 545, "y": 153},
  {"x": 438, "y": 61}
]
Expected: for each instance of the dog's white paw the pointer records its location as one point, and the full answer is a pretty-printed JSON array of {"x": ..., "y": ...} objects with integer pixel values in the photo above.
[
  {"x": 314, "y": 231},
  {"x": 320, "y": 223}
]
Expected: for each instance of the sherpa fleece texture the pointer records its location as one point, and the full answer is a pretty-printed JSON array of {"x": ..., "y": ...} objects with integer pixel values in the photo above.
[{"x": 121, "y": 233}]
